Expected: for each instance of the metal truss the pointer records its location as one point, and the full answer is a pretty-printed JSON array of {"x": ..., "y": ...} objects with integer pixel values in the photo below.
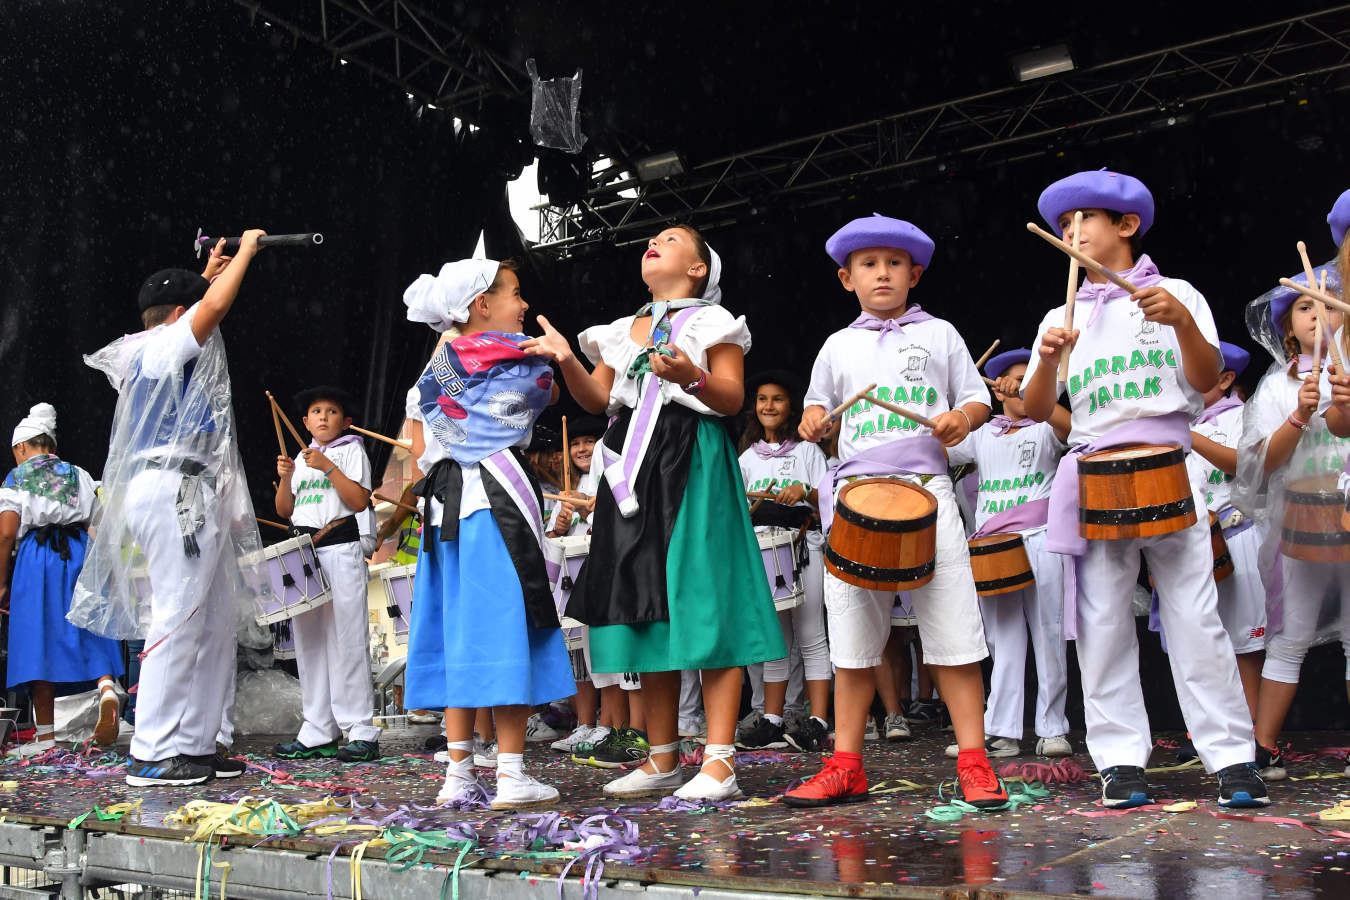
[
  {"x": 433, "y": 60},
  {"x": 1235, "y": 72}
]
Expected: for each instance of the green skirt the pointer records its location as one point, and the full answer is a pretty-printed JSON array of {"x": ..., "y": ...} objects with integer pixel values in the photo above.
[{"x": 721, "y": 612}]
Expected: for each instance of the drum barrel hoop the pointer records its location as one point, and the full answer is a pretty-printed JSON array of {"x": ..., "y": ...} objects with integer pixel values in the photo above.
[
  {"x": 1132, "y": 464},
  {"x": 892, "y": 526},
  {"x": 1316, "y": 538},
  {"x": 1221, "y": 561},
  {"x": 1138, "y": 514},
  {"x": 994, "y": 584},
  {"x": 1313, "y": 498},
  {"x": 982, "y": 549},
  {"x": 873, "y": 573},
  {"x": 1216, "y": 528}
]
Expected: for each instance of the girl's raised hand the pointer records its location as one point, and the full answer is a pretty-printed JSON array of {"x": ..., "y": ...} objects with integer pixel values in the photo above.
[
  {"x": 1309, "y": 397},
  {"x": 678, "y": 367},
  {"x": 1340, "y": 388},
  {"x": 551, "y": 343}
]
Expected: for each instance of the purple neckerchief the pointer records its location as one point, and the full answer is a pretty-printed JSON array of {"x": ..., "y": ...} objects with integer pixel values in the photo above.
[
  {"x": 1063, "y": 534},
  {"x": 764, "y": 451},
  {"x": 897, "y": 325},
  {"x": 921, "y": 454},
  {"x": 336, "y": 442},
  {"x": 1022, "y": 517},
  {"x": 1143, "y": 274},
  {"x": 1003, "y": 424},
  {"x": 1218, "y": 408}
]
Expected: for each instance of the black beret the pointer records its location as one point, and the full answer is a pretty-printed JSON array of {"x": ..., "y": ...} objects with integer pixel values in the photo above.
[
  {"x": 342, "y": 398},
  {"x": 545, "y": 438},
  {"x": 780, "y": 377},
  {"x": 171, "y": 287},
  {"x": 587, "y": 426}
]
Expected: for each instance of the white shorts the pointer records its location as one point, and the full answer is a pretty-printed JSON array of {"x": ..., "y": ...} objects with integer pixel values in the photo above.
[
  {"x": 947, "y": 607},
  {"x": 1242, "y": 596}
]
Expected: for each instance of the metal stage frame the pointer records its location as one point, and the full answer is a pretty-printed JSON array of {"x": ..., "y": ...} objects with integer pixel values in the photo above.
[{"x": 1231, "y": 73}]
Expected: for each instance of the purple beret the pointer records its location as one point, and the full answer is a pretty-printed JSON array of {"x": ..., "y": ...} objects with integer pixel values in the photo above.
[
  {"x": 1282, "y": 297},
  {"x": 1096, "y": 190},
  {"x": 1339, "y": 218},
  {"x": 1005, "y": 361},
  {"x": 880, "y": 231},
  {"x": 1234, "y": 357}
]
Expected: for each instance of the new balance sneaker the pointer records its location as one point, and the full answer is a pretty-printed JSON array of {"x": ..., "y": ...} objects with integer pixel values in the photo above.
[
  {"x": 832, "y": 785},
  {"x": 762, "y": 735},
  {"x": 1241, "y": 787},
  {"x": 536, "y": 729},
  {"x": 1056, "y": 745},
  {"x": 1124, "y": 787},
  {"x": 523, "y": 792},
  {"x": 174, "y": 770},
  {"x": 923, "y": 712},
  {"x": 484, "y": 753},
  {"x": 1271, "y": 764},
  {"x": 297, "y": 750},
  {"x": 896, "y": 728},
  {"x": 621, "y": 747},
  {"x": 808, "y": 735},
  {"x": 222, "y": 765},
  {"x": 994, "y": 748},
  {"x": 977, "y": 784},
  {"x": 359, "y": 752},
  {"x": 870, "y": 731},
  {"x": 582, "y": 734}
]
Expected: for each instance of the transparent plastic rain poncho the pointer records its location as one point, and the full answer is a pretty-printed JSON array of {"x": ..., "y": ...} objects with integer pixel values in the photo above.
[
  {"x": 162, "y": 423},
  {"x": 1304, "y": 596},
  {"x": 554, "y": 117}
]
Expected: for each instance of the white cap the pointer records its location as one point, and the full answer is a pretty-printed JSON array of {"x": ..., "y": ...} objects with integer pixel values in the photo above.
[{"x": 442, "y": 300}]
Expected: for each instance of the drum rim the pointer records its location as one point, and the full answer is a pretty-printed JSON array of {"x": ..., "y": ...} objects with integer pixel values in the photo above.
[
  {"x": 1137, "y": 515},
  {"x": 1006, "y": 541},
  {"x": 1089, "y": 465}
]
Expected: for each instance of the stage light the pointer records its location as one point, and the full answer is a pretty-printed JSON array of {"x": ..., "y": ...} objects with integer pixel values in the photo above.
[
  {"x": 1042, "y": 62},
  {"x": 658, "y": 166}
]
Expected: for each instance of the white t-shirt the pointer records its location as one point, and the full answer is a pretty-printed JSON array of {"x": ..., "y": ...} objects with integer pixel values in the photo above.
[
  {"x": 316, "y": 500},
  {"x": 613, "y": 345},
  {"x": 1319, "y": 452},
  {"x": 1124, "y": 368},
  {"x": 1217, "y": 485},
  {"x": 805, "y": 465},
  {"x": 926, "y": 369},
  {"x": 1013, "y": 468},
  {"x": 169, "y": 347},
  {"x": 35, "y": 511}
]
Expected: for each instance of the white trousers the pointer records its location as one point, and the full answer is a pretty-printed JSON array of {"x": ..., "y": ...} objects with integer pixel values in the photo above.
[
  {"x": 1007, "y": 617},
  {"x": 332, "y": 654},
  {"x": 804, "y": 627},
  {"x": 796, "y": 683},
  {"x": 226, "y": 733},
  {"x": 1204, "y": 668},
  {"x": 691, "y": 696},
  {"x": 190, "y": 644},
  {"x": 1315, "y": 594}
]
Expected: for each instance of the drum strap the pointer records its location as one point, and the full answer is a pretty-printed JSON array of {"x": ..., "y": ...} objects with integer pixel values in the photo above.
[{"x": 339, "y": 531}]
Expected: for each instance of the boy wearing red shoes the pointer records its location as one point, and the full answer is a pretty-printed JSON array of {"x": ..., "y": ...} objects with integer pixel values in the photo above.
[{"x": 920, "y": 362}]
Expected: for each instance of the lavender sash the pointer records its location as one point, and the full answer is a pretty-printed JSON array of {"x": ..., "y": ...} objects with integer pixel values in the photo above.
[
  {"x": 921, "y": 454},
  {"x": 1023, "y": 517}
]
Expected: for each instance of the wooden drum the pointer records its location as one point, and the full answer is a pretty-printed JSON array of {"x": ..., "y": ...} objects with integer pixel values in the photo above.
[
  {"x": 1313, "y": 528},
  {"x": 884, "y": 535},
  {"x": 1223, "y": 563},
  {"x": 1139, "y": 490},
  {"x": 1000, "y": 565}
]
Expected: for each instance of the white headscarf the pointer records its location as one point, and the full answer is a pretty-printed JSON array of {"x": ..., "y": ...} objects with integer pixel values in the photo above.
[
  {"x": 41, "y": 419},
  {"x": 712, "y": 292},
  {"x": 442, "y": 300}
]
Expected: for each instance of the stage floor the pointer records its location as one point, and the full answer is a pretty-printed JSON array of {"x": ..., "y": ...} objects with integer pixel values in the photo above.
[{"x": 1065, "y": 844}]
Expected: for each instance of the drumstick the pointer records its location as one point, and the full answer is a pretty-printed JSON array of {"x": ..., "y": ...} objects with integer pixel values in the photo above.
[
  {"x": 1082, "y": 258},
  {"x": 378, "y": 496},
  {"x": 277, "y": 410},
  {"x": 768, "y": 488},
  {"x": 901, "y": 411},
  {"x": 1321, "y": 312},
  {"x": 988, "y": 353},
  {"x": 559, "y": 498},
  {"x": 567, "y": 468},
  {"x": 273, "y": 524},
  {"x": 276, "y": 423},
  {"x": 839, "y": 410},
  {"x": 1070, "y": 294},
  {"x": 379, "y": 437},
  {"x": 1313, "y": 292},
  {"x": 760, "y": 495}
]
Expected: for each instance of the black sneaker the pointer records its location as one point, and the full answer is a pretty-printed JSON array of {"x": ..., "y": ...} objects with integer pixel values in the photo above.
[
  {"x": 1124, "y": 787},
  {"x": 762, "y": 735},
  {"x": 359, "y": 752},
  {"x": 808, "y": 735},
  {"x": 621, "y": 747},
  {"x": 922, "y": 712},
  {"x": 1241, "y": 787},
  {"x": 1186, "y": 750},
  {"x": 1270, "y": 764},
  {"x": 297, "y": 750},
  {"x": 435, "y": 743},
  {"x": 222, "y": 765},
  {"x": 174, "y": 770}
]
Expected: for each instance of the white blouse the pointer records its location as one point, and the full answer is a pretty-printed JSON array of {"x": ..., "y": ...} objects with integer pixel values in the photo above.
[{"x": 35, "y": 511}]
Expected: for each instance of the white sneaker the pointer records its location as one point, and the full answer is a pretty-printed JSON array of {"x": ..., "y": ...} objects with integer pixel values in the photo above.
[
  {"x": 705, "y": 787},
  {"x": 640, "y": 783},
  {"x": 580, "y": 734},
  {"x": 536, "y": 729},
  {"x": 994, "y": 748},
  {"x": 32, "y": 748},
  {"x": 1057, "y": 745},
  {"x": 523, "y": 793},
  {"x": 484, "y": 753},
  {"x": 897, "y": 729},
  {"x": 870, "y": 733}
]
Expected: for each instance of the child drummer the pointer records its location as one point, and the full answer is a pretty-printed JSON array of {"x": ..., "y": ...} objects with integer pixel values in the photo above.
[
  {"x": 1016, "y": 460},
  {"x": 1139, "y": 367},
  {"x": 322, "y": 491},
  {"x": 923, "y": 364}
]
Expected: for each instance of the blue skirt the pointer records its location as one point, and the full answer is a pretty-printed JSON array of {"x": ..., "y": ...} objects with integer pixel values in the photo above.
[
  {"x": 43, "y": 646},
  {"x": 469, "y": 643}
]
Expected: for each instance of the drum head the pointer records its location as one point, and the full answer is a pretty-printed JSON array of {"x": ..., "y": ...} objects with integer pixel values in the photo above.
[{"x": 888, "y": 498}]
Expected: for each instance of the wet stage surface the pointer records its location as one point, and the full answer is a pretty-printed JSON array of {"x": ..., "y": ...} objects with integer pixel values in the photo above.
[{"x": 1062, "y": 844}]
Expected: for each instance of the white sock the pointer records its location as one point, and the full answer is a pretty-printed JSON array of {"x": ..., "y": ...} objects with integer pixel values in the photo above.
[
  {"x": 777, "y": 720},
  {"x": 510, "y": 765}
]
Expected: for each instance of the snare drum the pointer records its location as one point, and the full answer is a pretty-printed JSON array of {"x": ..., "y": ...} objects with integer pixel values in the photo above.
[
  {"x": 298, "y": 584},
  {"x": 283, "y": 641},
  {"x": 778, "y": 548},
  {"x": 397, "y": 583},
  {"x": 574, "y": 550}
]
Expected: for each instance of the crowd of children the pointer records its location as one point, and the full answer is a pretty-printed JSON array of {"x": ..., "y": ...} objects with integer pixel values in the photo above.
[{"x": 671, "y": 605}]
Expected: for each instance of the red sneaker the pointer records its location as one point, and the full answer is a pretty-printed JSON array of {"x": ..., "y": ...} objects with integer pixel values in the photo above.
[
  {"x": 977, "y": 784},
  {"x": 833, "y": 784}
]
